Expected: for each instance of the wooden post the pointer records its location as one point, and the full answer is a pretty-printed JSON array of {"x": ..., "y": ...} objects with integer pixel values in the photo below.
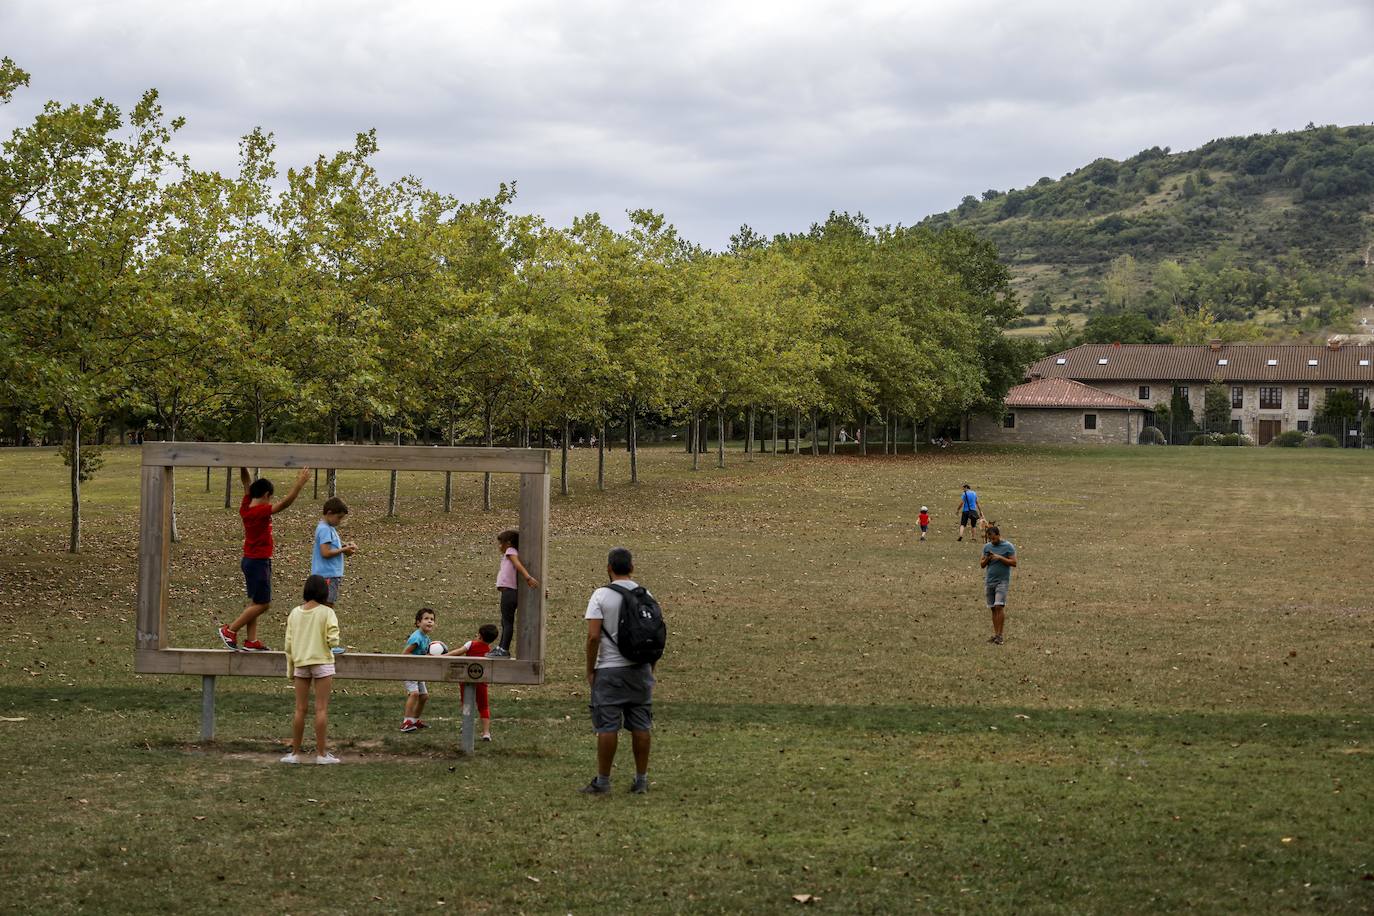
[
  {"x": 467, "y": 733},
  {"x": 534, "y": 550},
  {"x": 154, "y": 549},
  {"x": 207, "y": 707}
]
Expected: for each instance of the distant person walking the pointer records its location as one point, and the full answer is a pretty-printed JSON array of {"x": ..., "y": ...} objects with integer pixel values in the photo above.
[
  {"x": 969, "y": 511},
  {"x": 999, "y": 557}
]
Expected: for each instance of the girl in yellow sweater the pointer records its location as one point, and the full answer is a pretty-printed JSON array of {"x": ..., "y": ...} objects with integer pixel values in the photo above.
[{"x": 312, "y": 641}]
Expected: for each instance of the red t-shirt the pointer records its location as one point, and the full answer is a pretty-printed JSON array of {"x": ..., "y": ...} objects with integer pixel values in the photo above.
[
  {"x": 257, "y": 529},
  {"x": 923, "y": 519},
  {"x": 477, "y": 649}
]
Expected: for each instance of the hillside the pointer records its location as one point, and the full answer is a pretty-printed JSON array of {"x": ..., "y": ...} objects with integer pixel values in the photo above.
[{"x": 1273, "y": 231}]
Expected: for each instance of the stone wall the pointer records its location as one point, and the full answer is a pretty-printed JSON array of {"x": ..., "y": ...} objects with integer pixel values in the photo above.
[{"x": 1050, "y": 425}]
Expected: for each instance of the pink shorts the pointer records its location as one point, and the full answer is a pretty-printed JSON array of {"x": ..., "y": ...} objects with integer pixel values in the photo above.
[{"x": 314, "y": 671}]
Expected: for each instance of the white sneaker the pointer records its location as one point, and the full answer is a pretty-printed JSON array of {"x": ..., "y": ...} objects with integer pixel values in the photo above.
[
  {"x": 291, "y": 758},
  {"x": 326, "y": 759}
]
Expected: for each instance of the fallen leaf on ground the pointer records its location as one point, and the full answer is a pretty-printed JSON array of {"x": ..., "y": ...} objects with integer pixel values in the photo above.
[{"x": 532, "y": 878}]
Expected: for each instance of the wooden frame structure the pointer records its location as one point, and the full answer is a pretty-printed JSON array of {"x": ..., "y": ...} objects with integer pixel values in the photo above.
[{"x": 152, "y": 655}]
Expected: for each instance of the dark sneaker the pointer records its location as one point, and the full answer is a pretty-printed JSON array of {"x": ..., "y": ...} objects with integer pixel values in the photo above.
[
  {"x": 253, "y": 645},
  {"x": 409, "y": 726},
  {"x": 228, "y": 637},
  {"x": 596, "y": 788},
  {"x": 996, "y": 640},
  {"x": 498, "y": 652},
  {"x": 640, "y": 786},
  {"x": 421, "y": 723}
]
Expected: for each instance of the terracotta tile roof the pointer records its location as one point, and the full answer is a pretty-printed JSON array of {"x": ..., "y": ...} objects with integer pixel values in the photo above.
[
  {"x": 1231, "y": 363},
  {"x": 1062, "y": 392}
]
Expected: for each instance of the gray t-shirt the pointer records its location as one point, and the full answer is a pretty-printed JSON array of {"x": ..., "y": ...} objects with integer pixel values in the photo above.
[
  {"x": 999, "y": 572},
  {"x": 605, "y": 606}
]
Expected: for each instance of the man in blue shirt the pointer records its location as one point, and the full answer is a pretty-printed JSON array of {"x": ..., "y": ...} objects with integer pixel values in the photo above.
[
  {"x": 999, "y": 557},
  {"x": 969, "y": 512}
]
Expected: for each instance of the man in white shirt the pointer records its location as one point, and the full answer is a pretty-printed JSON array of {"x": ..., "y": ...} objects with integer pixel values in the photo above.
[{"x": 621, "y": 690}]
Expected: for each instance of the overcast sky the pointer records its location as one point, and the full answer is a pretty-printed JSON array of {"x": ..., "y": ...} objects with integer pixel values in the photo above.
[{"x": 714, "y": 113}]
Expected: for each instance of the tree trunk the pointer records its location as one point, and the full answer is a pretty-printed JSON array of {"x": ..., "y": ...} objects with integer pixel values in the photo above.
[
  {"x": 749, "y": 432},
  {"x": 887, "y": 429},
  {"x": 331, "y": 476},
  {"x": 796, "y": 427},
  {"x": 696, "y": 451},
  {"x": 830, "y": 437},
  {"x": 486, "y": 475},
  {"x": 448, "y": 475},
  {"x": 720, "y": 437},
  {"x": 207, "y": 480},
  {"x": 75, "y": 544},
  {"x": 228, "y": 486},
  {"x": 172, "y": 482},
  {"x": 391, "y": 490},
  {"x": 815, "y": 432},
  {"x": 863, "y": 433},
  {"x": 563, "y": 458},
  {"x": 915, "y": 436},
  {"x": 691, "y": 435},
  {"x": 774, "y": 446},
  {"x": 634, "y": 445},
  {"x": 601, "y": 456}
]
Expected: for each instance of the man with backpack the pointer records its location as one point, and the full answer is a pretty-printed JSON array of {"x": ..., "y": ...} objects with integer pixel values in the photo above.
[{"x": 625, "y": 637}]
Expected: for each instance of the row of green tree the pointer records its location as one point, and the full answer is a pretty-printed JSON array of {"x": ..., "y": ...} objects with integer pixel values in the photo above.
[{"x": 263, "y": 305}]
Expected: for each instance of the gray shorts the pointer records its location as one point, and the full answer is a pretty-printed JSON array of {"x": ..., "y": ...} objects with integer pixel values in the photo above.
[
  {"x": 623, "y": 694},
  {"x": 997, "y": 594}
]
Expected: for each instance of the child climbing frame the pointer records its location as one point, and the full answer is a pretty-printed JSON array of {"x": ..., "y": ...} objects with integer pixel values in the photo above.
[{"x": 152, "y": 655}]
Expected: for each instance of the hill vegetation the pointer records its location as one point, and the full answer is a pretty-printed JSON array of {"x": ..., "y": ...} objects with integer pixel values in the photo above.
[{"x": 1261, "y": 237}]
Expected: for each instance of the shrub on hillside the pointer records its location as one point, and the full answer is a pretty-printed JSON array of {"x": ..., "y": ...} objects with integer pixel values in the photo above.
[
  {"x": 1289, "y": 439},
  {"x": 1325, "y": 440},
  {"x": 1151, "y": 435}
]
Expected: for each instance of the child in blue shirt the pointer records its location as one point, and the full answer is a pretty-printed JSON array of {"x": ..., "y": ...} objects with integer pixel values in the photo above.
[
  {"x": 330, "y": 550},
  {"x": 417, "y": 692}
]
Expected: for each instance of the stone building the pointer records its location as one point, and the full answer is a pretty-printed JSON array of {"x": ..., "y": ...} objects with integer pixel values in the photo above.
[
  {"x": 1061, "y": 410},
  {"x": 1273, "y": 388}
]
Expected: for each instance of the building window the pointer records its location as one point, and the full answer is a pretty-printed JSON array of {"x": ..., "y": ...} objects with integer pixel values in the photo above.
[
  {"x": 1223, "y": 362},
  {"x": 1090, "y": 421},
  {"x": 1144, "y": 392},
  {"x": 1304, "y": 398},
  {"x": 1271, "y": 362},
  {"x": 1302, "y": 426},
  {"x": 1311, "y": 362},
  {"x": 1329, "y": 392},
  {"x": 1009, "y": 421},
  {"x": 1271, "y": 398},
  {"x": 1235, "y": 426},
  {"x": 1060, "y": 361},
  {"x": 1102, "y": 361},
  {"x": 1181, "y": 391},
  {"x": 1359, "y": 395},
  {"x": 1237, "y": 397}
]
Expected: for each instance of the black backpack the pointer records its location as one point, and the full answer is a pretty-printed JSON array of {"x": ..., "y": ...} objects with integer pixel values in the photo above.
[{"x": 642, "y": 632}]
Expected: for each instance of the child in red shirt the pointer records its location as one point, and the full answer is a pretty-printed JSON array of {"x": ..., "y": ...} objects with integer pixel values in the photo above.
[
  {"x": 924, "y": 521},
  {"x": 257, "y": 510},
  {"x": 478, "y": 648}
]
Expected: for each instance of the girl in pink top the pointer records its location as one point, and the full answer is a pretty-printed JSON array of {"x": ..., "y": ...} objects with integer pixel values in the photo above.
[{"x": 508, "y": 542}]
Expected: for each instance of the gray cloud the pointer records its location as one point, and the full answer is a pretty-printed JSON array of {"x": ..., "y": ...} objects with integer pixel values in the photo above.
[{"x": 716, "y": 114}]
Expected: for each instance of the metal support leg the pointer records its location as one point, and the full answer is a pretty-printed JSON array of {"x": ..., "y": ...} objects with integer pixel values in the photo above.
[
  {"x": 468, "y": 733},
  {"x": 207, "y": 707}
]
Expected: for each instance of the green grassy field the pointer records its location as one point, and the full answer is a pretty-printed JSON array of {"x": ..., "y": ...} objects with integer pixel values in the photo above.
[{"x": 1180, "y": 717}]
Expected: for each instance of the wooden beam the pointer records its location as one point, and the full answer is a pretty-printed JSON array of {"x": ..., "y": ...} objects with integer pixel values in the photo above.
[
  {"x": 154, "y": 548},
  {"x": 352, "y": 665},
  {"x": 534, "y": 552},
  {"x": 346, "y": 457}
]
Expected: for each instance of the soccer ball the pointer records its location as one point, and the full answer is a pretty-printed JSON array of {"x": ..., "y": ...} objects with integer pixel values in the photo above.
[{"x": 438, "y": 648}]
